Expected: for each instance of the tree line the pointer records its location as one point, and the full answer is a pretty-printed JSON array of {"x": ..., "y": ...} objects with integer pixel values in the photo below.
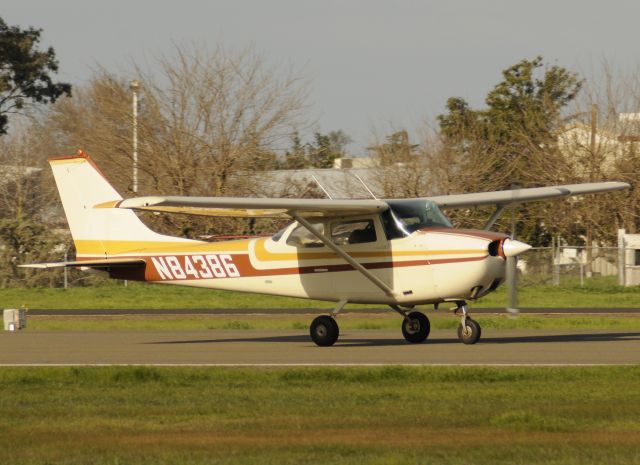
[{"x": 210, "y": 119}]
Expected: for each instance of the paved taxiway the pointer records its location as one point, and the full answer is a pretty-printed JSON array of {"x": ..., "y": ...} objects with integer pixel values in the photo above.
[{"x": 290, "y": 348}]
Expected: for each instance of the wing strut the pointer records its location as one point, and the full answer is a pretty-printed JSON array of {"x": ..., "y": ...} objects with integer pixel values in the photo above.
[
  {"x": 496, "y": 214},
  {"x": 348, "y": 258}
]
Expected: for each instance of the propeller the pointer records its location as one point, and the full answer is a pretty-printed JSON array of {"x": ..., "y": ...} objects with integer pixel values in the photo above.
[{"x": 511, "y": 271}]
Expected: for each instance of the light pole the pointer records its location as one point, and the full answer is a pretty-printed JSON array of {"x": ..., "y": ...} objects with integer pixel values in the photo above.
[{"x": 134, "y": 85}]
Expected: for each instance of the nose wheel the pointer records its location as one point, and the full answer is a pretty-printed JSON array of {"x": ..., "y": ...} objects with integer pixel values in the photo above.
[{"x": 469, "y": 330}]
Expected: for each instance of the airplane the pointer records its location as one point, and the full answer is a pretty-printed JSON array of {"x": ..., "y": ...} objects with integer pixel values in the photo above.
[{"x": 399, "y": 253}]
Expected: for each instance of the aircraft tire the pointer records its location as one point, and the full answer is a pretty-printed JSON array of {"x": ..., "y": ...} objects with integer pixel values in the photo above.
[
  {"x": 472, "y": 333},
  {"x": 324, "y": 331},
  {"x": 416, "y": 334}
]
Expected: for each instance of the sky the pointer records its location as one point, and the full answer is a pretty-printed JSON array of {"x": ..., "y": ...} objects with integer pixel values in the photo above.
[{"x": 371, "y": 66}]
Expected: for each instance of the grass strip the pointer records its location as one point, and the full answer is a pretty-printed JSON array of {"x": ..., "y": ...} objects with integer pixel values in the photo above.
[
  {"x": 388, "y": 415},
  {"x": 346, "y": 321},
  {"x": 599, "y": 293}
]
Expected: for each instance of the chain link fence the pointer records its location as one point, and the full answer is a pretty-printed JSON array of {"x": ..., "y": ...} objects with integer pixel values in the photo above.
[{"x": 577, "y": 265}]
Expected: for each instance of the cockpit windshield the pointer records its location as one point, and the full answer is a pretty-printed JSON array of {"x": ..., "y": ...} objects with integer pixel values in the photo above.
[{"x": 407, "y": 216}]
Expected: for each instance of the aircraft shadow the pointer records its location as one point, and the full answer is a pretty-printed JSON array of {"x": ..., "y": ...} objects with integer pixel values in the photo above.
[
  {"x": 572, "y": 337},
  {"x": 370, "y": 342}
]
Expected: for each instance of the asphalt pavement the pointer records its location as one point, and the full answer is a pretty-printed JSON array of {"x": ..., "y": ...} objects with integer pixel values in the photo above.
[{"x": 294, "y": 348}]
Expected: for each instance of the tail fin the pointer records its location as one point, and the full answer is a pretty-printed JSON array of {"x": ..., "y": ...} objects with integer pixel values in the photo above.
[{"x": 98, "y": 232}]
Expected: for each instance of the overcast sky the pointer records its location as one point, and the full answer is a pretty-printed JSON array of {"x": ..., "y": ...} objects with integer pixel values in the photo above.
[{"x": 370, "y": 64}]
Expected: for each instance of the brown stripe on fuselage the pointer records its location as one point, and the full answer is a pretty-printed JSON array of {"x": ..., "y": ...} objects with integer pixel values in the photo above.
[{"x": 247, "y": 270}]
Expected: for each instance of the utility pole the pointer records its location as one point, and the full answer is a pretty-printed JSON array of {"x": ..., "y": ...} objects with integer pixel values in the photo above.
[
  {"x": 592, "y": 172},
  {"x": 134, "y": 85}
]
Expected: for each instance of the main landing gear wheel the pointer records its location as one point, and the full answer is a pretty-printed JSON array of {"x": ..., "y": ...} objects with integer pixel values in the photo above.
[
  {"x": 416, "y": 327},
  {"x": 470, "y": 333},
  {"x": 324, "y": 331}
]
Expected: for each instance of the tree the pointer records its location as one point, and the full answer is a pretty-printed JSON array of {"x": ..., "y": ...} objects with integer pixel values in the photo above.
[
  {"x": 602, "y": 142},
  {"x": 25, "y": 72},
  {"x": 27, "y": 207},
  {"x": 295, "y": 158},
  {"x": 396, "y": 149},
  {"x": 401, "y": 169},
  {"x": 208, "y": 117},
  {"x": 514, "y": 140},
  {"x": 520, "y": 124},
  {"x": 320, "y": 153}
]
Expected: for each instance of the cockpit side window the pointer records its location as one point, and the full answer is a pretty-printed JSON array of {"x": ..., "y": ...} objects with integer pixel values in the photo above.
[
  {"x": 393, "y": 228},
  {"x": 353, "y": 232},
  {"x": 407, "y": 216}
]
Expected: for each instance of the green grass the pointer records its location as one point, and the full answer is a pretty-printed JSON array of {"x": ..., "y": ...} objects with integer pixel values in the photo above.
[
  {"x": 347, "y": 321},
  {"x": 388, "y": 415},
  {"x": 137, "y": 295},
  {"x": 597, "y": 293}
]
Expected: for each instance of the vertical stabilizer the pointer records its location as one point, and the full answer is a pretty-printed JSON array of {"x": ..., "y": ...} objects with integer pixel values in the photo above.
[{"x": 98, "y": 232}]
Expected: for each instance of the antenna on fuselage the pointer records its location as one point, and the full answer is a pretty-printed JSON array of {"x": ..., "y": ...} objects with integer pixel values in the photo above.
[
  {"x": 366, "y": 187},
  {"x": 320, "y": 186}
]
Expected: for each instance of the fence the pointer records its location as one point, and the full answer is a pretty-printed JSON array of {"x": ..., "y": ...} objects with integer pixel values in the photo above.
[{"x": 576, "y": 265}]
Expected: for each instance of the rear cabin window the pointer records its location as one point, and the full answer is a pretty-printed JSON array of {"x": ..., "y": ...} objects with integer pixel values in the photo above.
[
  {"x": 353, "y": 232},
  {"x": 301, "y": 237},
  {"x": 276, "y": 237}
]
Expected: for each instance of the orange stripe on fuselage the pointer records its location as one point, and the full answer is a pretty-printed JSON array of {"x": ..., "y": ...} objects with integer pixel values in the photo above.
[
  {"x": 99, "y": 248},
  {"x": 262, "y": 254}
]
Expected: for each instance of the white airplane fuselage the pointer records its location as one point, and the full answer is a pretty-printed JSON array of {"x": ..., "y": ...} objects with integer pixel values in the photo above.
[{"x": 429, "y": 266}]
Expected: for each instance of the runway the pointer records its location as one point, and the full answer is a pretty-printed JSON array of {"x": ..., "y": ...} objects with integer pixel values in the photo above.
[{"x": 294, "y": 348}]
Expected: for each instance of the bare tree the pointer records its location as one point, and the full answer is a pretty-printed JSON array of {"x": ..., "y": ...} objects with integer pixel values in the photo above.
[
  {"x": 601, "y": 142},
  {"x": 209, "y": 116},
  {"x": 26, "y": 203},
  {"x": 400, "y": 166}
]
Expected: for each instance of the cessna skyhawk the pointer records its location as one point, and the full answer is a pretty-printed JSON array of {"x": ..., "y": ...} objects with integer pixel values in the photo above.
[{"x": 399, "y": 253}]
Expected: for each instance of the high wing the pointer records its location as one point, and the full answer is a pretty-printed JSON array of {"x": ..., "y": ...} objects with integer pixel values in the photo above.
[
  {"x": 524, "y": 195},
  {"x": 249, "y": 207},
  {"x": 288, "y": 208}
]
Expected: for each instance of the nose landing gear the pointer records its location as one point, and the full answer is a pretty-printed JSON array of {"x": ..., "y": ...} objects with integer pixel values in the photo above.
[{"x": 469, "y": 330}]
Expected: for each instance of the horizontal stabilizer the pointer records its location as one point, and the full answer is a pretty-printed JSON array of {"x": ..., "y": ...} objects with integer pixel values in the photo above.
[{"x": 103, "y": 263}]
